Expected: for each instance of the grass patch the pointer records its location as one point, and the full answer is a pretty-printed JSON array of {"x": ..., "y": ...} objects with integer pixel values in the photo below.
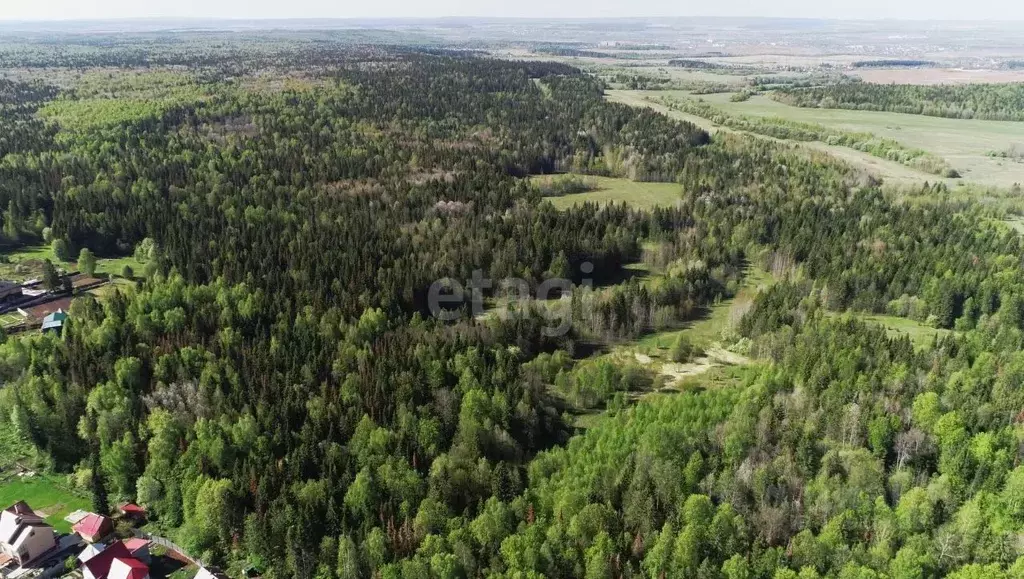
[
  {"x": 717, "y": 377},
  {"x": 26, "y": 263},
  {"x": 920, "y": 334},
  {"x": 118, "y": 283},
  {"x": 47, "y": 495},
  {"x": 606, "y": 190}
]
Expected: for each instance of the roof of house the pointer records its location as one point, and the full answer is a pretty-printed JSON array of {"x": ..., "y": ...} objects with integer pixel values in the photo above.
[
  {"x": 132, "y": 509},
  {"x": 92, "y": 525},
  {"x": 54, "y": 320},
  {"x": 127, "y": 568},
  {"x": 135, "y": 544},
  {"x": 57, "y": 316},
  {"x": 99, "y": 565},
  {"x": 90, "y": 551},
  {"x": 20, "y": 508},
  {"x": 15, "y": 518}
]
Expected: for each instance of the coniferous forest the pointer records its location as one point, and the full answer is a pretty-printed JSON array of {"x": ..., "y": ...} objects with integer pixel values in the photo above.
[{"x": 275, "y": 389}]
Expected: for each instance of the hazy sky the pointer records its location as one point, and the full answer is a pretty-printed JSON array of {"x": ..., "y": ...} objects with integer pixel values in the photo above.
[{"x": 908, "y": 9}]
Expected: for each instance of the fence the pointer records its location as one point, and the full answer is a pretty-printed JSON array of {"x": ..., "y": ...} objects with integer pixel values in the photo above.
[{"x": 169, "y": 545}]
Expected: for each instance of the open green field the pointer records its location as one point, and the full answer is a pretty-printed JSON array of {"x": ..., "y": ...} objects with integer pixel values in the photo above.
[
  {"x": 709, "y": 329},
  {"x": 614, "y": 190},
  {"x": 920, "y": 334},
  {"x": 889, "y": 170},
  {"x": 717, "y": 366},
  {"x": 964, "y": 143},
  {"x": 27, "y": 263},
  {"x": 47, "y": 496}
]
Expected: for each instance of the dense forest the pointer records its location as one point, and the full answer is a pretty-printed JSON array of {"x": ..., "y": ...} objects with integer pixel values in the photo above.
[
  {"x": 277, "y": 392},
  {"x": 993, "y": 102}
]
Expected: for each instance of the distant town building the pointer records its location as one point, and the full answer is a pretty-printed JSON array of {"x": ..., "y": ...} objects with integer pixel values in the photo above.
[{"x": 24, "y": 535}]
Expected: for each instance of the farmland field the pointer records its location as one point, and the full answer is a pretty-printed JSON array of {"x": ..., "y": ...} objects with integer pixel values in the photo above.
[
  {"x": 887, "y": 169},
  {"x": 965, "y": 144}
]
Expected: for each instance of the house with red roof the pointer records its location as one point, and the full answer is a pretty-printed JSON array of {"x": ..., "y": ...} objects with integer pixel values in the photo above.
[
  {"x": 128, "y": 569},
  {"x": 139, "y": 548},
  {"x": 115, "y": 562},
  {"x": 94, "y": 528},
  {"x": 133, "y": 511}
]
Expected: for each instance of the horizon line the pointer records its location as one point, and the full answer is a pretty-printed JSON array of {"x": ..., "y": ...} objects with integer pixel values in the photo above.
[{"x": 479, "y": 17}]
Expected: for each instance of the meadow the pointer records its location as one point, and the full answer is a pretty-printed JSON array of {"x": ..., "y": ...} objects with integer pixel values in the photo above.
[
  {"x": 47, "y": 496},
  {"x": 965, "y": 144},
  {"x": 26, "y": 263},
  {"x": 642, "y": 195}
]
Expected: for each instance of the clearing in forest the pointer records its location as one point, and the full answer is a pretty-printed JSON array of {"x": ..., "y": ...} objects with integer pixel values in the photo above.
[
  {"x": 654, "y": 351},
  {"x": 642, "y": 195}
]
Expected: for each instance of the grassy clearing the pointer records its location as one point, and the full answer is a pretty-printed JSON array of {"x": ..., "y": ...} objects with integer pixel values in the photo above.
[
  {"x": 116, "y": 284},
  {"x": 47, "y": 496},
  {"x": 920, "y": 334},
  {"x": 709, "y": 329},
  {"x": 721, "y": 367},
  {"x": 614, "y": 190},
  {"x": 26, "y": 263}
]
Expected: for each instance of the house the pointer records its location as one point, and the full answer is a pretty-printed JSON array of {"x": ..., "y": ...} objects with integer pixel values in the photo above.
[
  {"x": 54, "y": 321},
  {"x": 128, "y": 569},
  {"x": 139, "y": 548},
  {"x": 90, "y": 551},
  {"x": 94, "y": 528},
  {"x": 115, "y": 562},
  {"x": 133, "y": 511},
  {"x": 24, "y": 535}
]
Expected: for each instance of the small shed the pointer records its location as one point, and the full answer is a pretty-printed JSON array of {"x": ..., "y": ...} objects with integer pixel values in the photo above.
[
  {"x": 133, "y": 511},
  {"x": 94, "y": 528},
  {"x": 54, "y": 321}
]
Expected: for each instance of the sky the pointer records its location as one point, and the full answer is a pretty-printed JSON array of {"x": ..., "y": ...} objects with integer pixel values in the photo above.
[{"x": 999, "y": 10}]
